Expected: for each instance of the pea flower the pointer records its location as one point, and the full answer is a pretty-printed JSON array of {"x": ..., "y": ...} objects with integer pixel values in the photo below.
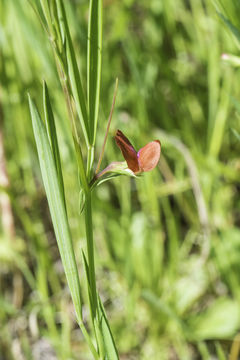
[{"x": 145, "y": 159}]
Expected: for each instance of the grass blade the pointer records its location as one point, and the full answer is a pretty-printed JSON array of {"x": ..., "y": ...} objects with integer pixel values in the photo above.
[
  {"x": 39, "y": 12},
  {"x": 230, "y": 26},
  {"x": 94, "y": 64},
  {"x": 47, "y": 14},
  {"x": 52, "y": 136},
  {"x": 73, "y": 72},
  {"x": 110, "y": 348},
  {"x": 57, "y": 208}
]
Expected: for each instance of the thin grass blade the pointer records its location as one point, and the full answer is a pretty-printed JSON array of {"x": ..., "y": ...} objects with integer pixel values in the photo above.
[
  {"x": 110, "y": 348},
  {"x": 39, "y": 12},
  {"x": 94, "y": 64},
  {"x": 57, "y": 207},
  {"x": 47, "y": 14},
  {"x": 234, "y": 30},
  {"x": 52, "y": 136},
  {"x": 73, "y": 72},
  {"x": 109, "y": 344},
  {"x": 86, "y": 269}
]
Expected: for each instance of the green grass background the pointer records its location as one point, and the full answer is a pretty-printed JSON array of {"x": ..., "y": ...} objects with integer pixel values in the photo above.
[{"x": 167, "y": 244}]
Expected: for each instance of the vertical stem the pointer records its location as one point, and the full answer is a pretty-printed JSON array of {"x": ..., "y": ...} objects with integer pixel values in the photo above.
[
  {"x": 90, "y": 159},
  {"x": 90, "y": 252}
]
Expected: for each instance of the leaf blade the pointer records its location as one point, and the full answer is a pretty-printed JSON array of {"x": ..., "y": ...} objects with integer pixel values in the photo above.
[
  {"x": 57, "y": 208},
  {"x": 94, "y": 64},
  {"x": 74, "y": 73},
  {"x": 52, "y": 136},
  {"x": 109, "y": 344}
]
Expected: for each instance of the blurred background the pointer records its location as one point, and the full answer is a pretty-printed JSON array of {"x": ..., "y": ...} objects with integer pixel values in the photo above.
[{"x": 167, "y": 244}]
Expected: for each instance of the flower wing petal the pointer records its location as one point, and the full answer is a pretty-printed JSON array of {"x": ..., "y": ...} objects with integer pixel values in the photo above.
[{"x": 148, "y": 156}]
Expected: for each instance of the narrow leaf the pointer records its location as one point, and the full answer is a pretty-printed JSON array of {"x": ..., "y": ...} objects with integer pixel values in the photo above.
[
  {"x": 47, "y": 14},
  {"x": 57, "y": 208},
  {"x": 86, "y": 269},
  {"x": 52, "y": 136},
  {"x": 94, "y": 64},
  {"x": 39, "y": 12},
  {"x": 231, "y": 27},
  {"x": 73, "y": 72},
  {"x": 81, "y": 201},
  {"x": 110, "y": 348}
]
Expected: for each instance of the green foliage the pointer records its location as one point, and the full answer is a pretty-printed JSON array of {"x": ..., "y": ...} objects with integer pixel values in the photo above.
[
  {"x": 166, "y": 245},
  {"x": 57, "y": 206},
  {"x": 94, "y": 64}
]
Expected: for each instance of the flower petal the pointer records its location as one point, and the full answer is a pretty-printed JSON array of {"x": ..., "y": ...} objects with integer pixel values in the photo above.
[
  {"x": 128, "y": 151},
  {"x": 148, "y": 156}
]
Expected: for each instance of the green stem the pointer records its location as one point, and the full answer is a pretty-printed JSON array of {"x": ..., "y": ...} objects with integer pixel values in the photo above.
[
  {"x": 90, "y": 253},
  {"x": 88, "y": 339},
  {"x": 90, "y": 160}
]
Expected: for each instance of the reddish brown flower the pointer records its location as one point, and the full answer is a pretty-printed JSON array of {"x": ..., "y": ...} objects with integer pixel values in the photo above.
[{"x": 144, "y": 160}]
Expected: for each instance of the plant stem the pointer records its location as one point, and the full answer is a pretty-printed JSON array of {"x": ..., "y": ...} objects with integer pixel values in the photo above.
[
  {"x": 90, "y": 253},
  {"x": 90, "y": 159},
  {"x": 88, "y": 339}
]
